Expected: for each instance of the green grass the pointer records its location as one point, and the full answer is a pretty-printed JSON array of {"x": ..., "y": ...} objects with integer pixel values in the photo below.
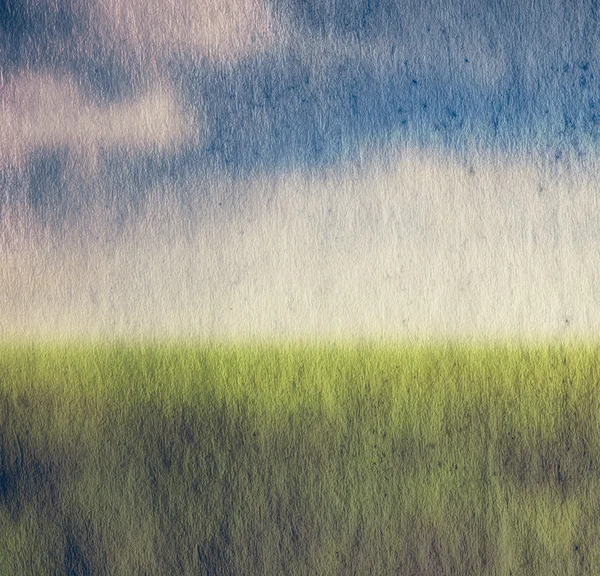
[{"x": 148, "y": 459}]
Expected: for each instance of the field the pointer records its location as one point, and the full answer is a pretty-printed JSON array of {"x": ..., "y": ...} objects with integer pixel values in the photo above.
[{"x": 299, "y": 459}]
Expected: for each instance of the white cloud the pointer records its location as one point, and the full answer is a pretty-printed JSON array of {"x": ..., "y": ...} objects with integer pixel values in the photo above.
[
  {"x": 217, "y": 29},
  {"x": 427, "y": 248},
  {"x": 43, "y": 111}
]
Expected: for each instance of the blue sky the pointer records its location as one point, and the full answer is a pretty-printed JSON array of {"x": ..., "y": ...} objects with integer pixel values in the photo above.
[{"x": 337, "y": 76}]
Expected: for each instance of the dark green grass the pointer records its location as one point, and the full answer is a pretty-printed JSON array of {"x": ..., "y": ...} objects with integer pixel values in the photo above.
[{"x": 299, "y": 460}]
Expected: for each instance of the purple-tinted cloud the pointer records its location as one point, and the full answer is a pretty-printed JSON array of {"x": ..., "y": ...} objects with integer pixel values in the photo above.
[
  {"x": 155, "y": 30},
  {"x": 41, "y": 111}
]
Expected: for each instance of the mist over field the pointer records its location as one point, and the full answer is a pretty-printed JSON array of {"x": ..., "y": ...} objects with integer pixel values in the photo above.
[{"x": 282, "y": 168}]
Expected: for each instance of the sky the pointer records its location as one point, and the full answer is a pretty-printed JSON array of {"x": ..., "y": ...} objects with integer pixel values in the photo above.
[{"x": 295, "y": 168}]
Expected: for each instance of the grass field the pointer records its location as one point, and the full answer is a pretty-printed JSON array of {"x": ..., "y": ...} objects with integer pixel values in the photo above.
[{"x": 209, "y": 459}]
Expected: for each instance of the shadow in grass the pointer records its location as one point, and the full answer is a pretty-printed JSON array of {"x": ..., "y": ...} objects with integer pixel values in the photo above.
[{"x": 234, "y": 461}]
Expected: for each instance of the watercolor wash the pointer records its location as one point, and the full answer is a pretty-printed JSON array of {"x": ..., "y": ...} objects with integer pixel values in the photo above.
[{"x": 299, "y": 286}]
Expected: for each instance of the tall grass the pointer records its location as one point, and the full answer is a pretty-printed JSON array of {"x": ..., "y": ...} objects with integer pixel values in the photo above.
[{"x": 150, "y": 459}]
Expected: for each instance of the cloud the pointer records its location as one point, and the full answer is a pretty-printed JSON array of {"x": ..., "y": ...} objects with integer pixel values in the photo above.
[
  {"x": 425, "y": 247},
  {"x": 42, "y": 111},
  {"x": 118, "y": 49},
  {"x": 213, "y": 29}
]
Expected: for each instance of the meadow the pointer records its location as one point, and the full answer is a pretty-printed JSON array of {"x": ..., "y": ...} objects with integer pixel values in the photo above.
[{"x": 299, "y": 459}]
